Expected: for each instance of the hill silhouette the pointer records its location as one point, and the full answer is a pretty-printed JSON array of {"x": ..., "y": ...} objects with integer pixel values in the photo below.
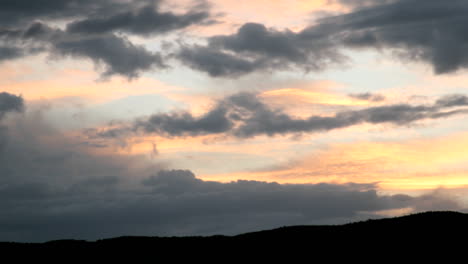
[{"x": 422, "y": 233}]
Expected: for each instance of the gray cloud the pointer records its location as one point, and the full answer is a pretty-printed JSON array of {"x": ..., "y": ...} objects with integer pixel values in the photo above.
[
  {"x": 116, "y": 54},
  {"x": 92, "y": 32},
  {"x": 177, "y": 203},
  {"x": 217, "y": 63},
  {"x": 23, "y": 12},
  {"x": 452, "y": 100},
  {"x": 244, "y": 115},
  {"x": 254, "y": 47},
  {"x": 144, "y": 21},
  {"x": 431, "y": 31},
  {"x": 106, "y": 15},
  {"x": 8, "y": 53},
  {"x": 10, "y": 103},
  {"x": 178, "y": 124},
  {"x": 368, "y": 97}
]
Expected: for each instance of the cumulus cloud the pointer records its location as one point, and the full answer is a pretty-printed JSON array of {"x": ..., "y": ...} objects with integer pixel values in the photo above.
[
  {"x": 430, "y": 31},
  {"x": 244, "y": 115}
]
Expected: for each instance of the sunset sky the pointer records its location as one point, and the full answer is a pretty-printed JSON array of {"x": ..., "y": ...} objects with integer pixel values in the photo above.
[{"x": 202, "y": 117}]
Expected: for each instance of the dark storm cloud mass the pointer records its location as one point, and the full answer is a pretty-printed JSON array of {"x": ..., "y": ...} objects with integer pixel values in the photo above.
[
  {"x": 245, "y": 115},
  {"x": 92, "y": 33},
  {"x": 431, "y": 31}
]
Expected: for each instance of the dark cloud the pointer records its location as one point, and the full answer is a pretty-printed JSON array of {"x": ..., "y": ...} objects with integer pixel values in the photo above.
[
  {"x": 15, "y": 43},
  {"x": 437, "y": 200},
  {"x": 216, "y": 63},
  {"x": 368, "y": 97},
  {"x": 244, "y": 115},
  {"x": 177, "y": 203},
  {"x": 172, "y": 124},
  {"x": 255, "y": 47},
  {"x": 144, "y": 21},
  {"x": 431, "y": 31},
  {"x": 10, "y": 103},
  {"x": 25, "y": 29},
  {"x": 14, "y": 12},
  {"x": 54, "y": 187},
  {"x": 105, "y": 15},
  {"x": 257, "y": 118},
  {"x": 116, "y": 54},
  {"x": 452, "y": 100},
  {"x": 178, "y": 124},
  {"x": 8, "y": 53}
]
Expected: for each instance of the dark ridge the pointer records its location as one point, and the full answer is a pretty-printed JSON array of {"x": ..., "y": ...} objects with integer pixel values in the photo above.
[{"x": 431, "y": 232}]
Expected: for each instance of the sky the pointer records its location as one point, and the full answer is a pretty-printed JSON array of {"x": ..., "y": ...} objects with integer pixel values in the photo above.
[{"x": 203, "y": 117}]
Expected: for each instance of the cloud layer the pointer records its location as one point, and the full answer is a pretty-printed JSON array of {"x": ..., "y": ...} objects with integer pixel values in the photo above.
[
  {"x": 54, "y": 186},
  {"x": 244, "y": 115},
  {"x": 427, "y": 31},
  {"x": 415, "y": 30}
]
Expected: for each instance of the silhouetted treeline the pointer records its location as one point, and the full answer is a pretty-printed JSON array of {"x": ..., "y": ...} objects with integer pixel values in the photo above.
[{"x": 424, "y": 234}]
